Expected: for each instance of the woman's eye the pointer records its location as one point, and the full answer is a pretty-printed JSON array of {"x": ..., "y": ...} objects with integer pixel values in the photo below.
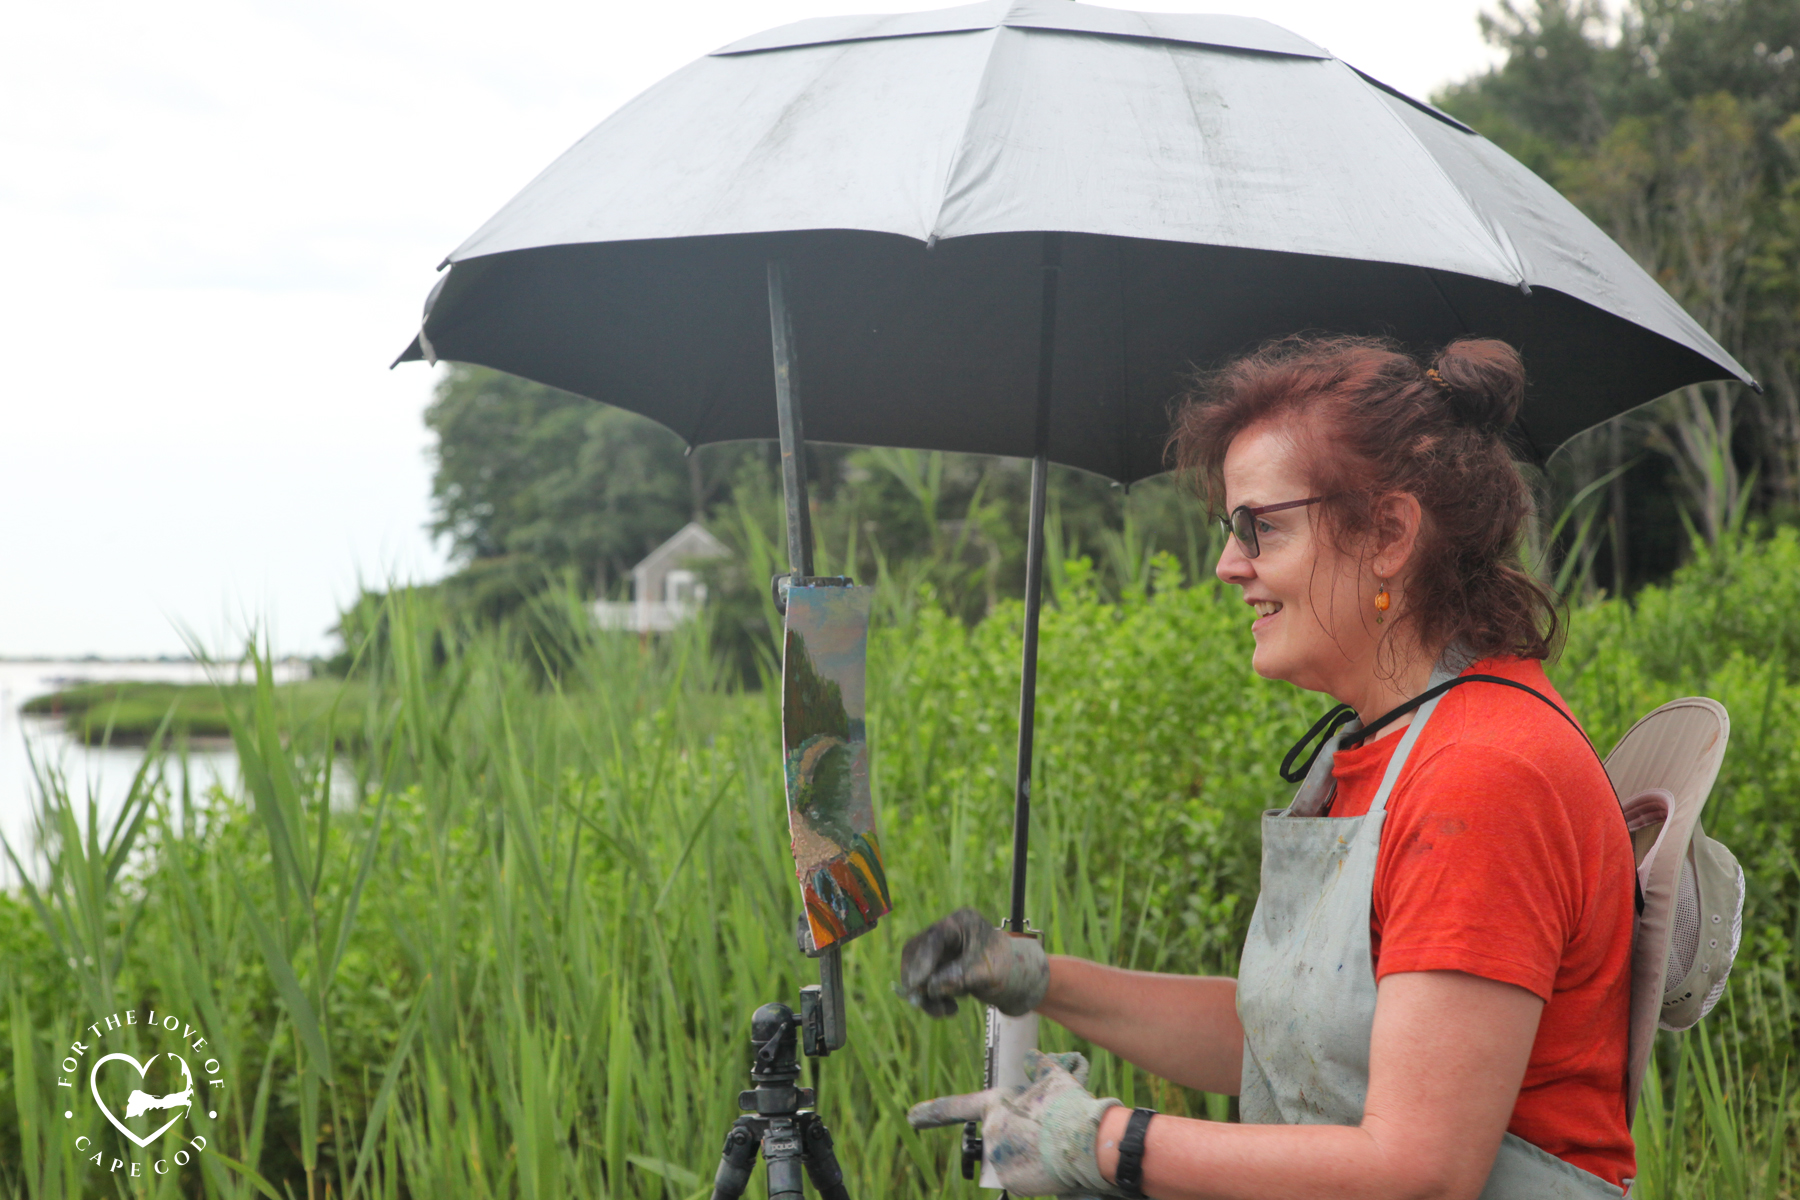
[{"x": 1263, "y": 527}]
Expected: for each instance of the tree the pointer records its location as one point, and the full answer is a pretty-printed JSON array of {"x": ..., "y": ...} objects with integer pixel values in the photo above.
[
  {"x": 1675, "y": 127},
  {"x": 526, "y": 471}
]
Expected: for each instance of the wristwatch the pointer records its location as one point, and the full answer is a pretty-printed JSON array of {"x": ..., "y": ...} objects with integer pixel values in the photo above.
[{"x": 1128, "y": 1176}]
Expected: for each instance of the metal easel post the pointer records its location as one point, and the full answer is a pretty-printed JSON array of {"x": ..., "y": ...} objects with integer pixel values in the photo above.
[
  {"x": 800, "y": 561},
  {"x": 787, "y": 414}
]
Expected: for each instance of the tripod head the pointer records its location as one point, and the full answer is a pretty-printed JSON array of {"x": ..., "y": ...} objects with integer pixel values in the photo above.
[
  {"x": 772, "y": 1033},
  {"x": 778, "y": 1121},
  {"x": 775, "y": 1064}
]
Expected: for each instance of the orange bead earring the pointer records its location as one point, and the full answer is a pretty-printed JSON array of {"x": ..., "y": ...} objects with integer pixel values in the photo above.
[{"x": 1382, "y": 603}]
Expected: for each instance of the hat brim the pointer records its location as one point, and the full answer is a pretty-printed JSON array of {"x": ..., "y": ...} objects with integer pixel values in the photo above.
[{"x": 1678, "y": 748}]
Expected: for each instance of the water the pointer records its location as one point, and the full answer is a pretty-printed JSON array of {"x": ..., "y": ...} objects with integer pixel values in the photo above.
[{"x": 103, "y": 773}]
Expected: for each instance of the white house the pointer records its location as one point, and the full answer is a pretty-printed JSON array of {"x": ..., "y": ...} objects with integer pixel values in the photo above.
[{"x": 665, "y": 590}]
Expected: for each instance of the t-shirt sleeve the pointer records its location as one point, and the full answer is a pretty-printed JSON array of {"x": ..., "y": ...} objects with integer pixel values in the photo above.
[{"x": 1479, "y": 871}]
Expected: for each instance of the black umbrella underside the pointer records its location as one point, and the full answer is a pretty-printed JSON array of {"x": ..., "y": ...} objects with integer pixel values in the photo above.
[{"x": 936, "y": 348}]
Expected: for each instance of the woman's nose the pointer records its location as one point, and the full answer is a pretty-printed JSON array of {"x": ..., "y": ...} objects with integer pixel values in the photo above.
[{"x": 1234, "y": 565}]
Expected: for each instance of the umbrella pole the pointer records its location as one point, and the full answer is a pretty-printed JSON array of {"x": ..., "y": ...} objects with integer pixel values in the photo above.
[
  {"x": 800, "y": 567},
  {"x": 1034, "y": 579}
]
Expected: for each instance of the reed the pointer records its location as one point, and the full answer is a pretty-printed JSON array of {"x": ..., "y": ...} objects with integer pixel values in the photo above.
[{"x": 504, "y": 937}]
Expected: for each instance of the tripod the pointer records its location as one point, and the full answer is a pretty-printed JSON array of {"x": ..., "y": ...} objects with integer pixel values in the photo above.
[{"x": 778, "y": 1117}]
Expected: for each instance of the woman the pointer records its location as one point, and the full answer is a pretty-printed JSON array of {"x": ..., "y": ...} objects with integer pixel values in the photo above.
[{"x": 1434, "y": 992}]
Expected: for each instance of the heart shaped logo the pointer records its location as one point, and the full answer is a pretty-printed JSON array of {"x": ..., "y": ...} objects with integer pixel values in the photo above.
[{"x": 141, "y": 1102}]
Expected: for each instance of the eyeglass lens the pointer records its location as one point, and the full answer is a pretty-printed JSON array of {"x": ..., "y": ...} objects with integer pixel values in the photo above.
[{"x": 1242, "y": 525}]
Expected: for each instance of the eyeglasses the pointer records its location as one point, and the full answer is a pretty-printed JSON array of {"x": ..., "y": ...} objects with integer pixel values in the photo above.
[{"x": 1241, "y": 524}]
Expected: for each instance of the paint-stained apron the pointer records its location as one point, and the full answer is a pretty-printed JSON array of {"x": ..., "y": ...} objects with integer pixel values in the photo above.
[{"x": 1306, "y": 984}]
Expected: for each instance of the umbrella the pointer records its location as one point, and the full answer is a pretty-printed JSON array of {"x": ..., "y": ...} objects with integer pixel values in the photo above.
[
  {"x": 1014, "y": 227},
  {"x": 1217, "y": 180}
]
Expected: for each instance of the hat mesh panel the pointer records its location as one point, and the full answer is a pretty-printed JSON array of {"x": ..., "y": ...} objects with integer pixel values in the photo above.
[{"x": 1684, "y": 923}]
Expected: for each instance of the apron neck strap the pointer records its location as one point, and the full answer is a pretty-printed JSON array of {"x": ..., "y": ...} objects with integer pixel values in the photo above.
[
  {"x": 1425, "y": 705},
  {"x": 1327, "y": 728},
  {"x": 1442, "y": 680}
]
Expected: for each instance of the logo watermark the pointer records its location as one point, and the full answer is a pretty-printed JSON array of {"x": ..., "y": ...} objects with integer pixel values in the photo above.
[{"x": 142, "y": 1099}]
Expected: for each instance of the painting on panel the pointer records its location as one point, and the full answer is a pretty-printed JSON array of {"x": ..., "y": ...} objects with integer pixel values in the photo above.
[{"x": 831, "y": 815}]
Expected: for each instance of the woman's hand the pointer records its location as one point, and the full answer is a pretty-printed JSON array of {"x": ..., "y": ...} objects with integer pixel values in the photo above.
[
  {"x": 964, "y": 955},
  {"x": 1039, "y": 1139}
]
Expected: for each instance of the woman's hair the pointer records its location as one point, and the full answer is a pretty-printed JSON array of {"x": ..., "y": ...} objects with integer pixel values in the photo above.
[{"x": 1372, "y": 422}]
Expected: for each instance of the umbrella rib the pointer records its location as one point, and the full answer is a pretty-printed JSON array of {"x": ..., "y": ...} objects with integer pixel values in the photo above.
[
  {"x": 1461, "y": 322},
  {"x": 1504, "y": 251},
  {"x": 962, "y": 142}
]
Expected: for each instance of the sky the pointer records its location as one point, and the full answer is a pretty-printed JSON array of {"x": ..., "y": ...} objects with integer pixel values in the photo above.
[
  {"x": 222, "y": 217},
  {"x": 836, "y": 629}
]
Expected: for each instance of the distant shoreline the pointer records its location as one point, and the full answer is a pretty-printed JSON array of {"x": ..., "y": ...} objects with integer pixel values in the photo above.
[{"x": 199, "y": 714}]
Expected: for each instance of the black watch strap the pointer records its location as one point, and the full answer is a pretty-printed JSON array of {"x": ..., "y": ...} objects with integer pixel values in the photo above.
[{"x": 1128, "y": 1176}]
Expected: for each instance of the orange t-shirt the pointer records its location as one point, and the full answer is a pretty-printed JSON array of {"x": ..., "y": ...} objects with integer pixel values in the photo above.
[{"x": 1504, "y": 856}]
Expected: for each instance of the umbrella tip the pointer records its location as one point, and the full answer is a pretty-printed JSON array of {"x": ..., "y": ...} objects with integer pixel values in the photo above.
[
  {"x": 931, "y": 242},
  {"x": 1524, "y": 287},
  {"x": 1755, "y": 386}
]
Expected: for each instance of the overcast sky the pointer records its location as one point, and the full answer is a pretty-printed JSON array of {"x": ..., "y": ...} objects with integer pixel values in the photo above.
[{"x": 222, "y": 217}]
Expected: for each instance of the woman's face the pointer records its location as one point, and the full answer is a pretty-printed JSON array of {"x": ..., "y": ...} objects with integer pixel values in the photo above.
[{"x": 1314, "y": 623}]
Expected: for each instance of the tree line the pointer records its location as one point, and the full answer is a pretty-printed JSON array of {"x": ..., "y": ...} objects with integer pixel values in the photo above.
[{"x": 1675, "y": 125}]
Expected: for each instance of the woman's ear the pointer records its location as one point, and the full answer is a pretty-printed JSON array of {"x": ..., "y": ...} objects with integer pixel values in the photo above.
[{"x": 1397, "y": 521}]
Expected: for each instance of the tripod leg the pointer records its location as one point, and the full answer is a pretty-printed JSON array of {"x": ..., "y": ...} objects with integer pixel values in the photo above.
[
  {"x": 820, "y": 1159},
  {"x": 737, "y": 1160}
]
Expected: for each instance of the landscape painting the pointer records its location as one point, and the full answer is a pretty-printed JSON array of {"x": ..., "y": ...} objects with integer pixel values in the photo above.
[{"x": 831, "y": 814}]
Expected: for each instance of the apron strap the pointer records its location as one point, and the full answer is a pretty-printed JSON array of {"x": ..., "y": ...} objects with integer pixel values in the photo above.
[{"x": 1403, "y": 750}]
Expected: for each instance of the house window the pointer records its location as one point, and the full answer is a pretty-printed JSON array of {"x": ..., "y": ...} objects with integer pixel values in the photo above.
[{"x": 683, "y": 588}]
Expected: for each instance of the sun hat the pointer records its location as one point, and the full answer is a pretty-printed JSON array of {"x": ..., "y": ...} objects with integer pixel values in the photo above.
[{"x": 1692, "y": 919}]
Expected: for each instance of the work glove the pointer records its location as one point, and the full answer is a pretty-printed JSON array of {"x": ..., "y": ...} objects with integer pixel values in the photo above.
[
  {"x": 1038, "y": 1138},
  {"x": 964, "y": 955}
]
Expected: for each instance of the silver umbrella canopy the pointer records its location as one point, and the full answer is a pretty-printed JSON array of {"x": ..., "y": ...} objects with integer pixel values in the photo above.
[
  {"x": 1217, "y": 180},
  {"x": 1015, "y": 227}
]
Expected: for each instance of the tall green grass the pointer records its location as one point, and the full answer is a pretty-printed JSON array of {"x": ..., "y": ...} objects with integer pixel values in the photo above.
[{"x": 509, "y": 946}]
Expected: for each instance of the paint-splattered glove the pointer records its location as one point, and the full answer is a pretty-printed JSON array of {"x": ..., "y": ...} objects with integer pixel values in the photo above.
[
  {"x": 1040, "y": 1138},
  {"x": 964, "y": 955}
]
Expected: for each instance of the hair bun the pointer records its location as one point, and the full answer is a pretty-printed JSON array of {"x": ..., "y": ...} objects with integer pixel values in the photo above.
[{"x": 1483, "y": 380}]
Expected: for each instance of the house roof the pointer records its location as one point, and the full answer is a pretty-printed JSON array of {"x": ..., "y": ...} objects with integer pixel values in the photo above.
[{"x": 690, "y": 541}]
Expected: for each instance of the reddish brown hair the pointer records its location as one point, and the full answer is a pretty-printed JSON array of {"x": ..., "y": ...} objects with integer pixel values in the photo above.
[{"x": 1374, "y": 422}]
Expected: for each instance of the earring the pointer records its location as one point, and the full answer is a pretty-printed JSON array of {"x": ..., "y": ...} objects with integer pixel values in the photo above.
[{"x": 1382, "y": 602}]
